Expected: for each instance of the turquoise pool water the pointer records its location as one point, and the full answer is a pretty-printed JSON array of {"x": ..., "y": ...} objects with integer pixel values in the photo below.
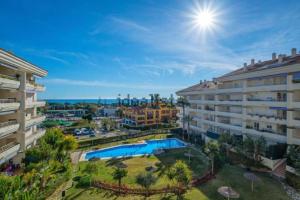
[{"x": 146, "y": 148}]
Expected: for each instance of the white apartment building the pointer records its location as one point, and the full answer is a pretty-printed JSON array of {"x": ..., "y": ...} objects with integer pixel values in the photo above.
[
  {"x": 259, "y": 99},
  {"x": 19, "y": 119}
]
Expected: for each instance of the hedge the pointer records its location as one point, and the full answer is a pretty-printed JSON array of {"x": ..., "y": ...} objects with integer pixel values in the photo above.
[
  {"x": 293, "y": 180},
  {"x": 96, "y": 141}
]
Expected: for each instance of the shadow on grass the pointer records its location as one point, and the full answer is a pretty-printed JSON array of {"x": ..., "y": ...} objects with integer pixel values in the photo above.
[
  {"x": 198, "y": 164},
  {"x": 115, "y": 161}
]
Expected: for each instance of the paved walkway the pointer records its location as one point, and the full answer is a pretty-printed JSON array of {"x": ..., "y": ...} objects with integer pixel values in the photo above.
[
  {"x": 75, "y": 156},
  {"x": 57, "y": 193}
]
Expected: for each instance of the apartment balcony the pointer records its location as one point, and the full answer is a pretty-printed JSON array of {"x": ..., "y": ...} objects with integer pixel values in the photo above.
[
  {"x": 34, "y": 136},
  {"x": 230, "y": 88},
  {"x": 8, "y": 105},
  {"x": 193, "y": 109},
  {"x": 266, "y": 118},
  {"x": 295, "y": 104},
  {"x": 268, "y": 134},
  {"x": 294, "y": 136},
  {"x": 266, "y": 102},
  {"x": 34, "y": 121},
  {"x": 266, "y": 88},
  {"x": 32, "y": 104},
  {"x": 223, "y": 125},
  {"x": 31, "y": 86},
  {"x": 228, "y": 114},
  {"x": 9, "y": 82},
  {"x": 196, "y": 128},
  {"x": 8, "y": 127},
  {"x": 229, "y": 102},
  {"x": 8, "y": 149}
]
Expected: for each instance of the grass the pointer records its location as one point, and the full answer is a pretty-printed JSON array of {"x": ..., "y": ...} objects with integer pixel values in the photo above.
[
  {"x": 137, "y": 165},
  {"x": 267, "y": 189},
  {"x": 229, "y": 175}
]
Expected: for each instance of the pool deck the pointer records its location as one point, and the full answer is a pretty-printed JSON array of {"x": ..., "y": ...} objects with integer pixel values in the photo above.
[{"x": 83, "y": 155}]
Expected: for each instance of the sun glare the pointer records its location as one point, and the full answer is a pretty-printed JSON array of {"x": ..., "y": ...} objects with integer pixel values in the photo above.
[{"x": 204, "y": 18}]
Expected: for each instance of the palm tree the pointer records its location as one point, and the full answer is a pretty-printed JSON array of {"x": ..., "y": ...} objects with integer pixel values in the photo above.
[
  {"x": 118, "y": 174},
  {"x": 146, "y": 180},
  {"x": 151, "y": 99},
  {"x": 188, "y": 119},
  {"x": 183, "y": 102},
  {"x": 181, "y": 173},
  {"x": 254, "y": 148},
  {"x": 259, "y": 148},
  {"x": 212, "y": 150},
  {"x": 156, "y": 100},
  {"x": 225, "y": 140}
]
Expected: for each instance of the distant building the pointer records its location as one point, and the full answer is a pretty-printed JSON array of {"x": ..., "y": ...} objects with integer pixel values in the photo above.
[
  {"x": 148, "y": 116},
  {"x": 65, "y": 113},
  {"x": 107, "y": 112}
]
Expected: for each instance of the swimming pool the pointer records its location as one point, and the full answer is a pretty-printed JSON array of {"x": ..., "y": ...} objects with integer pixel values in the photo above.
[{"x": 145, "y": 148}]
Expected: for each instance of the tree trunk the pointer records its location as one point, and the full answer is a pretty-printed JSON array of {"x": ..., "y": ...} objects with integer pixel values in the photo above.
[
  {"x": 119, "y": 186},
  {"x": 212, "y": 165}
]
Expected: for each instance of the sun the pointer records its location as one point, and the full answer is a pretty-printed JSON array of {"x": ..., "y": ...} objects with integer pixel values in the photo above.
[{"x": 205, "y": 19}]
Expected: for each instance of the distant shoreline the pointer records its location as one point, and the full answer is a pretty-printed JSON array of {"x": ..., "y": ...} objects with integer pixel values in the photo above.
[{"x": 74, "y": 101}]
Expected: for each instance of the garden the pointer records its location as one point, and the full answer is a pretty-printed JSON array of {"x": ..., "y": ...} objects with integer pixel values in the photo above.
[{"x": 154, "y": 172}]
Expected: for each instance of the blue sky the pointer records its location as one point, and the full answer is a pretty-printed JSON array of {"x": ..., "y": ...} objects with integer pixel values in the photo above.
[{"x": 101, "y": 48}]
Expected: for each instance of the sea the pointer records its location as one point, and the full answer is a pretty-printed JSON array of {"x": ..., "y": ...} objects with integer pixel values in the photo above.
[{"x": 74, "y": 101}]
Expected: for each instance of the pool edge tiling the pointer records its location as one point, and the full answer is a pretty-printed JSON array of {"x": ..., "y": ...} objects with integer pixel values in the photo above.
[{"x": 146, "y": 147}]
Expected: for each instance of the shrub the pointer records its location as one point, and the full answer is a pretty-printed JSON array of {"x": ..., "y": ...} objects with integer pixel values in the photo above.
[
  {"x": 293, "y": 180},
  {"x": 85, "y": 181},
  {"x": 76, "y": 178}
]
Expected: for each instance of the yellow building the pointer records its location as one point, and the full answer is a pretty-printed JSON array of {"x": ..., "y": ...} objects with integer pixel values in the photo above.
[{"x": 148, "y": 116}]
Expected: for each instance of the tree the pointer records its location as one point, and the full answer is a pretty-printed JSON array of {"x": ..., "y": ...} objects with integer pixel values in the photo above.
[
  {"x": 188, "y": 119},
  {"x": 259, "y": 148},
  {"x": 146, "y": 180},
  {"x": 183, "y": 102},
  {"x": 293, "y": 157},
  {"x": 212, "y": 150},
  {"x": 254, "y": 148},
  {"x": 118, "y": 174},
  {"x": 151, "y": 99},
  {"x": 156, "y": 100},
  {"x": 181, "y": 173},
  {"x": 108, "y": 124},
  {"x": 226, "y": 140},
  {"x": 88, "y": 117},
  {"x": 91, "y": 168}
]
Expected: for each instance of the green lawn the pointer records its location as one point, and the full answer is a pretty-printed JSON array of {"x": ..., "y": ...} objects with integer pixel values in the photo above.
[
  {"x": 267, "y": 189},
  {"x": 136, "y": 165}
]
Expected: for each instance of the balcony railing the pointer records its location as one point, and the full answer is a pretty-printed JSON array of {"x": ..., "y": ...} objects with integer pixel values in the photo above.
[
  {"x": 7, "y": 145},
  {"x": 8, "y": 101},
  {"x": 35, "y": 120},
  {"x": 14, "y": 78},
  {"x": 266, "y": 99},
  {"x": 34, "y": 86},
  {"x": 9, "y": 123},
  {"x": 267, "y": 116},
  {"x": 265, "y": 130}
]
